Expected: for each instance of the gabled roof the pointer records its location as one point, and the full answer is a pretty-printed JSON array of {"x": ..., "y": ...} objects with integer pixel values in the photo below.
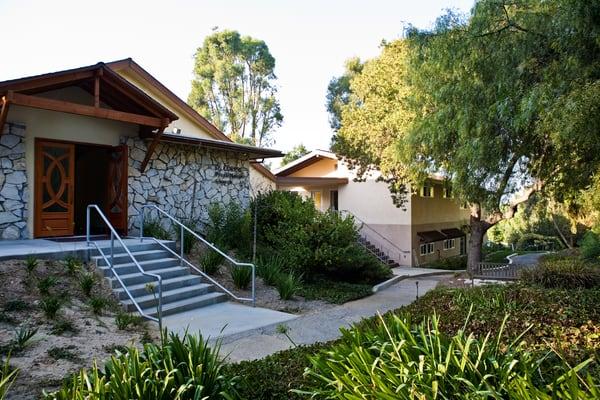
[
  {"x": 109, "y": 87},
  {"x": 304, "y": 161}
]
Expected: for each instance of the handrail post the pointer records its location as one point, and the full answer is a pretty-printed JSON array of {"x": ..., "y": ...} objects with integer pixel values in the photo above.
[
  {"x": 112, "y": 250},
  {"x": 181, "y": 247},
  {"x": 87, "y": 226},
  {"x": 253, "y": 285},
  {"x": 142, "y": 224},
  {"x": 160, "y": 305}
]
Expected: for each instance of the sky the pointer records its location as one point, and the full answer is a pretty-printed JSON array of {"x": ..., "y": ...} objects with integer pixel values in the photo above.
[{"x": 309, "y": 39}]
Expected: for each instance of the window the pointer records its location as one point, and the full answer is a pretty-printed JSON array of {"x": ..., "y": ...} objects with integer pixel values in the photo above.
[
  {"x": 426, "y": 248},
  {"x": 449, "y": 244},
  {"x": 427, "y": 191},
  {"x": 316, "y": 197},
  {"x": 448, "y": 192},
  {"x": 333, "y": 200}
]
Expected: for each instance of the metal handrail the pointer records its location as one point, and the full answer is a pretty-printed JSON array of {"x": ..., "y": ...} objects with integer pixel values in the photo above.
[
  {"x": 113, "y": 235},
  {"x": 377, "y": 234},
  {"x": 206, "y": 242}
]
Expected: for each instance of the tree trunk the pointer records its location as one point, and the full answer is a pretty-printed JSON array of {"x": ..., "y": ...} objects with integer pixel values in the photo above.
[{"x": 474, "y": 253}]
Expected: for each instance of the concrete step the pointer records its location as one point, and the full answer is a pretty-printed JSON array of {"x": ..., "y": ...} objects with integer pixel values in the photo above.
[
  {"x": 137, "y": 278},
  {"x": 148, "y": 266},
  {"x": 167, "y": 284},
  {"x": 133, "y": 247},
  {"x": 189, "y": 304},
  {"x": 122, "y": 258},
  {"x": 169, "y": 296}
]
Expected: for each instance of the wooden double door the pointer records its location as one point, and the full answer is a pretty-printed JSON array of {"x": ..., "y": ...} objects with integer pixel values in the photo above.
[{"x": 60, "y": 167}]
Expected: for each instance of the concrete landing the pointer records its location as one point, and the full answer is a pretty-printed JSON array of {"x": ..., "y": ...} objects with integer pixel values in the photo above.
[{"x": 225, "y": 319}]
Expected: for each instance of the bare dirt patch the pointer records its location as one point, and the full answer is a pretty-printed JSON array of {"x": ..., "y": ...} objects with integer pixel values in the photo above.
[{"x": 64, "y": 344}]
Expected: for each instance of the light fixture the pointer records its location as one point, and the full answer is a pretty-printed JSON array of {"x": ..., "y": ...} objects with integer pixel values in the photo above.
[{"x": 177, "y": 131}]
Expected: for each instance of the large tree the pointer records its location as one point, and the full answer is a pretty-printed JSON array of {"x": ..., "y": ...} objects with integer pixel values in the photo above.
[
  {"x": 338, "y": 91},
  {"x": 504, "y": 103},
  {"x": 294, "y": 154},
  {"x": 234, "y": 87}
]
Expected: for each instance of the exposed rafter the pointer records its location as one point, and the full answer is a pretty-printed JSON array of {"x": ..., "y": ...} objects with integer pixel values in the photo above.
[
  {"x": 152, "y": 146},
  {"x": 4, "y": 111}
]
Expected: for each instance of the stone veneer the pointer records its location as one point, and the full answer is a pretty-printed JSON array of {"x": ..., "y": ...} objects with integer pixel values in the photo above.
[
  {"x": 184, "y": 181},
  {"x": 14, "y": 192}
]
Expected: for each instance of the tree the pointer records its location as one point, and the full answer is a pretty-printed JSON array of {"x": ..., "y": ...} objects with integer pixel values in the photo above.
[
  {"x": 234, "y": 87},
  {"x": 338, "y": 91},
  {"x": 294, "y": 154},
  {"x": 504, "y": 103}
]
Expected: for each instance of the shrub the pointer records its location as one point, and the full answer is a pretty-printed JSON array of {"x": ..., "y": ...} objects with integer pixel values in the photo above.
[
  {"x": 397, "y": 360},
  {"x": 16, "y": 305},
  {"x": 458, "y": 262},
  {"x": 189, "y": 240},
  {"x": 31, "y": 263},
  {"x": 97, "y": 304},
  {"x": 334, "y": 292},
  {"x": 72, "y": 264},
  {"x": 86, "y": 282},
  {"x": 288, "y": 285},
  {"x": 44, "y": 285},
  {"x": 230, "y": 227},
  {"x": 590, "y": 246},
  {"x": 125, "y": 320},
  {"x": 22, "y": 336},
  {"x": 211, "y": 261},
  {"x": 7, "y": 377},
  {"x": 63, "y": 325},
  {"x": 63, "y": 353},
  {"x": 270, "y": 268},
  {"x": 50, "y": 305},
  {"x": 153, "y": 228},
  {"x": 567, "y": 273},
  {"x": 180, "y": 368},
  {"x": 241, "y": 276}
]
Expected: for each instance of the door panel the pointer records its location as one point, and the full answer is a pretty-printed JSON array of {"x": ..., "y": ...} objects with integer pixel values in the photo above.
[
  {"x": 116, "y": 204},
  {"x": 54, "y": 170}
]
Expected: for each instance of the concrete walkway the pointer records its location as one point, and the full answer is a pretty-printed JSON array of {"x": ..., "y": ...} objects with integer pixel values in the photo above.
[
  {"x": 527, "y": 258},
  {"x": 320, "y": 326}
]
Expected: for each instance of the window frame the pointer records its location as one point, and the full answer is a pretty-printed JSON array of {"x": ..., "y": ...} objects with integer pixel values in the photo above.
[
  {"x": 430, "y": 187},
  {"x": 449, "y": 244}
]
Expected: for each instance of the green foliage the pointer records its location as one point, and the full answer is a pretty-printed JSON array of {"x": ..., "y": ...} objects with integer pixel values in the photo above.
[
  {"x": 181, "y": 368},
  {"x": 534, "y": 241},
  {"x": 234, "y": 87},
  {"x": 44, "y": 285},
  {"x": 189, "y": 240},
  {"x": 288, "y": 285},
  {"x": 98, "y": 304},
  {"x": 334, "y": 291},
  {"x": 87, "y": 280},
  {"x": 16, "y": 305},
  {"x": 63, "y": 353},
  {"x": 566, "y": 273},
  {"x": 230, "y": 227},
  {"x": 22, "y": 336},
  {"x": 64, "y": 325},
  {"x": 269, "y": 269},
  {"x": 294, "y": 154},
  {"x": 126, "y": 321},
  {"x": 7, "y": 378},
  {"x": 339, "y": 92},
  {"x": 72, "y": 265},
  {"x": 31, "y": 263},
  {"x": 241, "y": 276},
  {"x": 590, "y": 246},
  {"x": 450, "y": 263},
  {"x": 498, "y": 256},
  {"x": 210, "y": 261},
  {"x": 153, "y": 228},
  {"x": 398, "y": 360},
  {"x": 50, "y": 305}
]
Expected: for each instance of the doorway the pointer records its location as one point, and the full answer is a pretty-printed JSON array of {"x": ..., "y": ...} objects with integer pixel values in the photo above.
[{"x": 68, "y": 177}]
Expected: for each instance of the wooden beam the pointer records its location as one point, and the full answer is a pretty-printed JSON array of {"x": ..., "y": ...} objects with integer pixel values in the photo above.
[
  {"x": 3, "y": 113},
  {"x": 152, "y": 146},
  {"x": 97, "y": 91},
  {"x": 80, "y": 109},
  {"x": 50, "y": 80}
]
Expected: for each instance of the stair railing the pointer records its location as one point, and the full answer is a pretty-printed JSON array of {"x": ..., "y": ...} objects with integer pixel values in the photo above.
[
  {"x": 110, "y": 262},
  {"x": 367, "y": 233},
  {"x": 182, "y": 229}
]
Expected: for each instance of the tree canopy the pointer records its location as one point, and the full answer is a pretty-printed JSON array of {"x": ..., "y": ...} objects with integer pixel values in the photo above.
[
  {"x": 234, "y": 87},
  {"x": 294, "y": 154},
  {"x": 504, "y": 103},
  {"x": 338, "y": 92}
]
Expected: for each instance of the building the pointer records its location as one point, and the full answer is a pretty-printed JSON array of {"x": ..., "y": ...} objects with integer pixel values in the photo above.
[
  {"x": 428, "y": 227},
  {"x": 111, "y": 134}
]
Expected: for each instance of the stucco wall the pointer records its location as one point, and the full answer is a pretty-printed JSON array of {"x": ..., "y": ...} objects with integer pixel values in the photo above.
[
  {"x": 325, "y": 167},
  {"x": 184, "y": 181}
]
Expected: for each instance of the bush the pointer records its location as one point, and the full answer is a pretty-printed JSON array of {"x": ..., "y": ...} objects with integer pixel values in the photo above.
[
  {"x": 153, "y": 228},
  {"x": 566, "y": 273},
  {"x": 44, "y": 285},
  {"x": 126, "y": 321},
  {"x": 270, "y": 268},
  {"x": 334, "y": 292},
  {"x": 397, "y": 360},
  {"x": 288, "y": 285},
  {"x": 72, "y": 264},
  {"x": 537, "y": 242},
  {"x": 189, "y": 240},
  {"x": 31, "y": 263},
  {"x": 97, "y": 304},
  {"x": 50, "y": 305},
  {"x": 230, "y": 227},
  {"x": 590, "y": 246},
  {"x": 86, "y": 282},
  {"x": 452, "y": 263},
  {"x": 63, "y": 325},
  {"x": 241, "y": 276},
  {"x": 211, "y": 261},
  {"x": 498, "y": 256},
  {"x": 180, "y": 368}
]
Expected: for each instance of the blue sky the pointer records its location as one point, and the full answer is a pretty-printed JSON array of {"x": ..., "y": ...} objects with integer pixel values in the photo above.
[{"x": 309, "y": 39}]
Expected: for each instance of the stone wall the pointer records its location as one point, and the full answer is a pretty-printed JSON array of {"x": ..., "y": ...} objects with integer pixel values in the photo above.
[
  {"x": 184, "y": 181},
  {"x": 14, "y": 192}
]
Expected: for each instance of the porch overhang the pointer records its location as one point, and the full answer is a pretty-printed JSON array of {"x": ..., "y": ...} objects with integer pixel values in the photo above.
[
  {"x": 292, "y": 181},
  {"x": 453, "y": 233},
  {"x": 431, "y": 236},
  {"x": 251, "y": 152}
]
